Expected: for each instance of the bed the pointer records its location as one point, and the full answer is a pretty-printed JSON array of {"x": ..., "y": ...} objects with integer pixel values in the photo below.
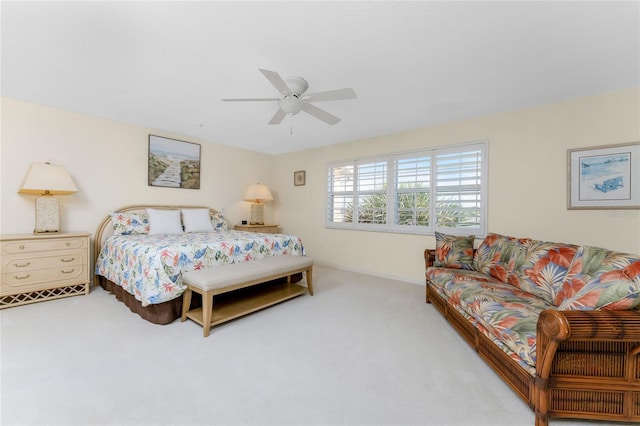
[{"x": 141, "y": 252}]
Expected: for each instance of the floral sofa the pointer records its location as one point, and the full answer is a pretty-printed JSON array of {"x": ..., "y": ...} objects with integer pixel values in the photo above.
[{"x": 558, "y": 322}]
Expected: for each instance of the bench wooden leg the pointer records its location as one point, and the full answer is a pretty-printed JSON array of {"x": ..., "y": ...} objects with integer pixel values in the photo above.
[
  {"x": 309, "y": 283},
  {"x": 186, "y": 303},
  {"x": 207, "y": 308}
]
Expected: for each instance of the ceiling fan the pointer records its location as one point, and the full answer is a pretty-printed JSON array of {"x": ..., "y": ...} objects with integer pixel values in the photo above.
[{"x": 293, "y": 100}]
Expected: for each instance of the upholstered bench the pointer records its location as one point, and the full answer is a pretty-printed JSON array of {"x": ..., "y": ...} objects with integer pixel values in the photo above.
[{"x": 211, "y": 282}]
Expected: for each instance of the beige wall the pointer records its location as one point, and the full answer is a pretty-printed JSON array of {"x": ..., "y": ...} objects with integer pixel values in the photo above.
[
  {"x": 527, "y": 177},
  {"x": 527, "y": 183},
  {"x": 108, "y": 162}
]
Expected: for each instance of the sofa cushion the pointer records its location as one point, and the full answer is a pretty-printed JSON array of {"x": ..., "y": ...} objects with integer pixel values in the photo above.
[
  {"x": 454, "y": 251},
  {"x": 496, "y": 256},
  {"x": 510, "y": 316},
  {"x": 451, "y": 280},
  {"x": 601, "y": 279},
  {"x": 500, "y": 311},
  {"x": 543, "y": 268}
]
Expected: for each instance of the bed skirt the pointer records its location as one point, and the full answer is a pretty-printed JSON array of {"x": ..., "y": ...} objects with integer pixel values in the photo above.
[{"x": 161, "y": 313}]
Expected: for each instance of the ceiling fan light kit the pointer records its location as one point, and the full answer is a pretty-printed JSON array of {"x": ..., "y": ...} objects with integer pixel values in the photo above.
[
  {"x": 290, "y": 104},
  {"x": 293, "y": 100}
]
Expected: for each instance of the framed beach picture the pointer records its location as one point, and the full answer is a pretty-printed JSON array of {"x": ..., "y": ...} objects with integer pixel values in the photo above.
[
  {"x": 173, "y": 163},
  {"x": 604, "y": 177}
]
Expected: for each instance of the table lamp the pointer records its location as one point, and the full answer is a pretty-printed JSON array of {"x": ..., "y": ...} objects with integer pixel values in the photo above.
[
  {"x": 257, "y": 193},
  {"x": 47, "y": 180}
]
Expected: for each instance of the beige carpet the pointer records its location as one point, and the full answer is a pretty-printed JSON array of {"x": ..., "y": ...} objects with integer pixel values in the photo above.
[{"x": 362, "y": 351}]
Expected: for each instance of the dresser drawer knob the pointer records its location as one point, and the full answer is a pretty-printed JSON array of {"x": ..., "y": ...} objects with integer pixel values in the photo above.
[
  {"x": 24, "y": 265},
  {"x": 67, "y": 272},
  {"x": 67, "y": 243},
  {"x": 24, "y": 277},
  {"x": 68, "y": 260},
  {"x": 21, "y": 246}
]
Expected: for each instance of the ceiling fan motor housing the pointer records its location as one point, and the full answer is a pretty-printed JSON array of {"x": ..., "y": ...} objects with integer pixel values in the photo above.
[
  {"x": 292, "y": 104},
  {"x": 297, "y": 85}
]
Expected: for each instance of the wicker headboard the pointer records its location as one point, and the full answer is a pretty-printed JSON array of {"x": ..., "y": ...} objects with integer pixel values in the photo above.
[{"x": 105, "y": 229}]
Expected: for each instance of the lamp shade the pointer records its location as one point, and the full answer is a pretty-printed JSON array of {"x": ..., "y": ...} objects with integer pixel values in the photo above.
[
  {"x": 258, "y": 192},
  {"x": 45, "y": 178}
]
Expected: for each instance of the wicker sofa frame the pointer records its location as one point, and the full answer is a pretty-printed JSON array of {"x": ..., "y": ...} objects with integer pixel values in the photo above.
[{"x": 588, "y": 362}]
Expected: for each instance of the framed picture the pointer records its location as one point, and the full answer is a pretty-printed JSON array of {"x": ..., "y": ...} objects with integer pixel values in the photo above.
[
  {"x": 173, "y": 163},
  {"x": 604, "y": 177},
  {"x": 299, "y": 178}
]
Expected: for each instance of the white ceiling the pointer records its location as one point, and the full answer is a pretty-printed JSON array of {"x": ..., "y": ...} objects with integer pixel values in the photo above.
[{"x": 166, "y": 65}]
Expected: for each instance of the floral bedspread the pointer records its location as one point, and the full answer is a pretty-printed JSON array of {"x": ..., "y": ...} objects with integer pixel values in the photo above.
[{"x": 150, "y": 266}]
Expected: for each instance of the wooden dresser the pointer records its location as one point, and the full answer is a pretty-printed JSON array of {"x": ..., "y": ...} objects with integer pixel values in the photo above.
[{"x": 43, "y": 267}]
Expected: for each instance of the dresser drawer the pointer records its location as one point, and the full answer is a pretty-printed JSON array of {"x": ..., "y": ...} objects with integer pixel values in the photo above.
[
  {"x": 24, "y": 281},
  {"x": 34, "y": 245},
  {"x": 18, "y": 263}
]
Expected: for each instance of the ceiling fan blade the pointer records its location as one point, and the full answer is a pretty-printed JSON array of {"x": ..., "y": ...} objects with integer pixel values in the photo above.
[
  {"x": 278, "y": 117},
  {"x": 250, "y": 100},
  {"x": 331, "y": 95},
  {"x": 320, "y": 114},
  {"x": 277, "y": 81}
]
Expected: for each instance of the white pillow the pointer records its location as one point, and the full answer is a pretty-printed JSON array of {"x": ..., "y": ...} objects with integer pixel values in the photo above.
[
  {"x": 196, "y": 220},
  {"x": 164, "y": 222}
]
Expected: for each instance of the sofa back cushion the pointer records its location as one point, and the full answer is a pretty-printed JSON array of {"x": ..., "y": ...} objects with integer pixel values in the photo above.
[
  {"x": 601, "y": 279},
  {"x": 454, "y": 251},
  {"x": 498, "y": 255},
  {"x": 543, "y": 267}
]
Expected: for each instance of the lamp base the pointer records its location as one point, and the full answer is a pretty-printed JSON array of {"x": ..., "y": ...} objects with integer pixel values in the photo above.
[
  {"x": 257, "y": 214},
  {"x": 47, "y": 215}
]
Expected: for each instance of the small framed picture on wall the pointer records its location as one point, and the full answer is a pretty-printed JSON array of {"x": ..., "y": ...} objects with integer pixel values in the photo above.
[{"x": 299, "y": 178}]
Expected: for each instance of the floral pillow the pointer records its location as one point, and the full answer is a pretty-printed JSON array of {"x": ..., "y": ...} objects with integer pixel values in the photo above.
[
  {"x": 125, "y": 223},
  {"x": 544, "y": 268},
  {"x": 499, "y": 255},
  {"x": 218, "y": 222},
  {"x": 454, "y": 251},
  {"x": 601, "y": 279}
]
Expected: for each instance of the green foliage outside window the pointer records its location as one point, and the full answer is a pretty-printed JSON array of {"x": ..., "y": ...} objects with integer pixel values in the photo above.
[{"x": 413, "y": 208}]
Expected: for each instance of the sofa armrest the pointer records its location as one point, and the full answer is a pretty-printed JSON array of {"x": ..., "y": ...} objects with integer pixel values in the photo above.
[
  {"x": 587, "y": 351},
  {"x": 555, "y": 327},
  {"x": 429, "y": 257}
]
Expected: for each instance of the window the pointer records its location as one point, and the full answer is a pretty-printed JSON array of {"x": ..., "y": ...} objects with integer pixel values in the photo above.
[
  {"x": 440, "y": 189},
  {"x": 371, "y": 190}
]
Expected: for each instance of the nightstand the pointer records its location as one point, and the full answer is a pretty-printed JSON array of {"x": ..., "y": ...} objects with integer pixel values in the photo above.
[
  {"x": 41, "y": 267},
  {"x": 267, "y": 229}
]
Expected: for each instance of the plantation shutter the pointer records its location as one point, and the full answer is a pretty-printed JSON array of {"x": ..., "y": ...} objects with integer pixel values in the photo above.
[
  {"x": 439, "y": 189},
  {"x": 340, "y": 194},
  {"x": 372, "y": 192},
  {"x": 412, "y": 181},
  {"x": 458, "y": 189}
]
